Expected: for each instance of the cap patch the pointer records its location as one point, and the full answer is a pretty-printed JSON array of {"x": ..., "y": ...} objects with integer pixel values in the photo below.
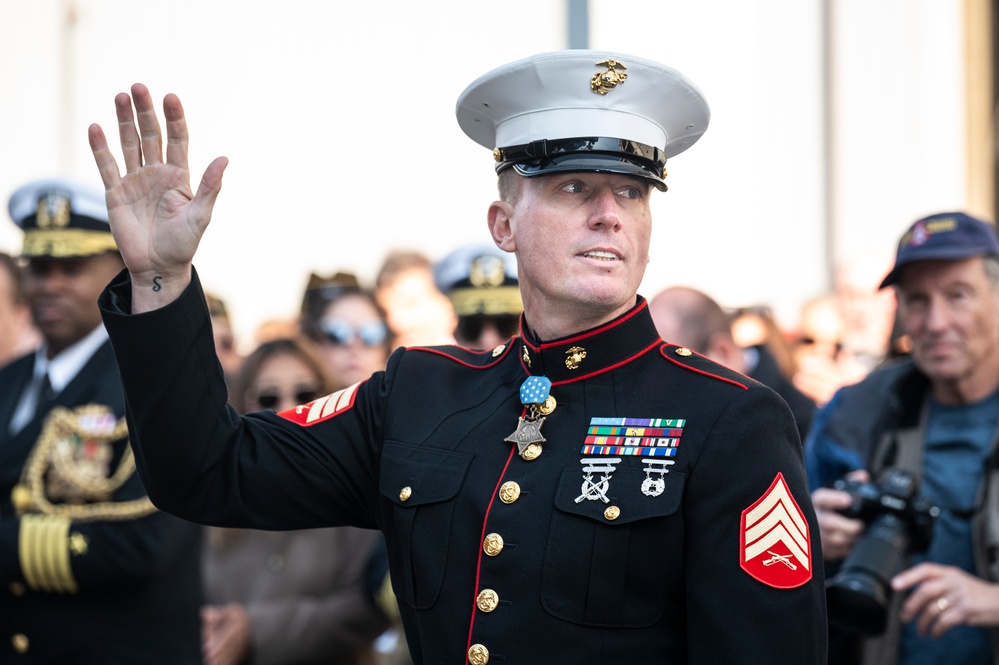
[
  {"x": 922, "y": 231},
  {"x": 773, "y": 535}
]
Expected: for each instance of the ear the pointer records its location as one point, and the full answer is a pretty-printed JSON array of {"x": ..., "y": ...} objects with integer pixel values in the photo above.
[{"x": 501, "y": 225}]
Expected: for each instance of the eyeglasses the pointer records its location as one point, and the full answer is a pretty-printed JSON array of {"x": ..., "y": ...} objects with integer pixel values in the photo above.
[
  {"x": 470, "y": 327},
  {"x": 269, "y": 398},
  {"x": 341, "y": 333}
]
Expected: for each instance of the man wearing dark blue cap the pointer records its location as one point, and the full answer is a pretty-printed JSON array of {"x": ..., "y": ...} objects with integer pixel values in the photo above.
[
  {"x": 583, "y": 492},
  {"x": 933, "y": 417},
  {"x": 91, "y": 572}
]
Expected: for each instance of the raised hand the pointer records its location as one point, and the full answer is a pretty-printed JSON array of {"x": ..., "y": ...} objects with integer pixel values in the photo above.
[{"x": 156, "y": 219}]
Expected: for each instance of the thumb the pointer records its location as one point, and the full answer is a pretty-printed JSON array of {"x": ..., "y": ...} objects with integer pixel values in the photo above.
[{"x": 211, "y": 183}]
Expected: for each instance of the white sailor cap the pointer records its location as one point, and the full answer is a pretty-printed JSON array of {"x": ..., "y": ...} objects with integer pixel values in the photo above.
[
  {"x": 61, "y": 218},
  {"x": 480, "y": 279},
  {"x": 583, "y": 110}
]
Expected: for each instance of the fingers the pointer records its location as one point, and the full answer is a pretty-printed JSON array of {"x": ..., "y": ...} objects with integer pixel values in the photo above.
[
  {"x": 149, "y": 125},
  {"x": 106, "y": 164},
  {"x": 129, "y": 138},
  {"x": 176, "y": 125}
]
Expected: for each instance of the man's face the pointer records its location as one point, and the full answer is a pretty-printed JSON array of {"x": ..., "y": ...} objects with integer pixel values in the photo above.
[
  {"x": 63, "y": 295},
  {"x": 582, "y": 243},
  {"x": 950, "y": 310}
]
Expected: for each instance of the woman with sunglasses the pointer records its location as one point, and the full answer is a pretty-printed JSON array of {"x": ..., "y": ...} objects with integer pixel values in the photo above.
[
  {"x": 351, "y": 335},
  {"x": 286, "y": 596}
]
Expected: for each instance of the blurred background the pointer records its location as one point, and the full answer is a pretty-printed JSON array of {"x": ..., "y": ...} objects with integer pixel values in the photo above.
[{"x": 835, "y": 124}]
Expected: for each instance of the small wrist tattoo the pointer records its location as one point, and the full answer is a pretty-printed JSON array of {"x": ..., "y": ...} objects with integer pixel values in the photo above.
[{"x": 156, "y": 283}]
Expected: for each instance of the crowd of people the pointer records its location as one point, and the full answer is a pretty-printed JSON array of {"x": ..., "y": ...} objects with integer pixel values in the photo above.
[{"x": 335, "y": 462}]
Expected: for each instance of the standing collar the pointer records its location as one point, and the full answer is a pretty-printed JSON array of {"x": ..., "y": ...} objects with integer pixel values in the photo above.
[{"x": 593, "y": 351}]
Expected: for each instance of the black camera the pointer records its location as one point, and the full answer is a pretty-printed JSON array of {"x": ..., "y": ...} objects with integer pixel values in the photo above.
[{"x": 898, "y": 524}]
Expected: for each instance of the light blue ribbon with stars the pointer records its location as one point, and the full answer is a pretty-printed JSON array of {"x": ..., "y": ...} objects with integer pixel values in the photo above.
[{"x": 535, "y": 390}]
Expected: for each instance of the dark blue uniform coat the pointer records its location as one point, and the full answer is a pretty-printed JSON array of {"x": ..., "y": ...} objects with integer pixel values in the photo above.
[{"x": 563, "y": 566}]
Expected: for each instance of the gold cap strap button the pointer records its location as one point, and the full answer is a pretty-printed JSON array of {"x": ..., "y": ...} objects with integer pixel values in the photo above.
[
  {"x": 487, "y": 600},
  {"x": 478, "y": 654},
  {"x": 493, "y": 544},
  {"x": 509, "y": 492}
]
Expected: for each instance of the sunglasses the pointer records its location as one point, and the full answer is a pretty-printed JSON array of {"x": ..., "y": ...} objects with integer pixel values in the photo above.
[
  {"x": 270, "y": 398},
  {"x": 470, "y": 327},
  {"x": 341, "y": 333}
]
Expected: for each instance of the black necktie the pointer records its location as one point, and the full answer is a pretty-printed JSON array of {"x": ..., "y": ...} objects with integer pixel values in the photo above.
[{"x": 45, "y": 396}]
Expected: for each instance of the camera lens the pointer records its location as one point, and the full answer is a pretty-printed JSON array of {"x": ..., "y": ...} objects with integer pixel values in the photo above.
[{"x": 858, "y": 596}]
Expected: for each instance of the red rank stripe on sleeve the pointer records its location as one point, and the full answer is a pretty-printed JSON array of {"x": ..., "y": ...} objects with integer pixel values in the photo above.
[
  {"x": 323, "y": 408},
  {"x": 774, "y": 544}
]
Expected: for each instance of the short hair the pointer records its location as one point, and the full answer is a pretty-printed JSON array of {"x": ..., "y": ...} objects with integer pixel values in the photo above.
[
  {"x": 699, "y": 317},
  {"x": 991, "y": 265},
  {"x": 509, "y": 184},
  {"x": 398, "y": 262}
]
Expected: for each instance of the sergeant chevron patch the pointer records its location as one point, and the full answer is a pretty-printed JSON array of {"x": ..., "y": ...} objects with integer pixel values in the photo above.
[
  {"x": 774, "y": 545},
  {"x": 323, "y": 408}
]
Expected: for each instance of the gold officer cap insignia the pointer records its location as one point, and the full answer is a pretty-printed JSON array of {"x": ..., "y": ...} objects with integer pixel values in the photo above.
[{"x": 53, "y": 211}]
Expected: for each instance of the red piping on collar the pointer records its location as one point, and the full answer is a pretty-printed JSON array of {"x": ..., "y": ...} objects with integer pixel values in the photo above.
[
  {"x": 591, "y": 333},
  {"x": 602, "y": 369}
]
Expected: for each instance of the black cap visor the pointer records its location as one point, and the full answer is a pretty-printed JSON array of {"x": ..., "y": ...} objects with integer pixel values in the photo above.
[{"x": 597, "y": 154}]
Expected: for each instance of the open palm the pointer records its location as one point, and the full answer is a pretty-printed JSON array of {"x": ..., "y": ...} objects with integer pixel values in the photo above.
[{"x": 156, "y": 219}]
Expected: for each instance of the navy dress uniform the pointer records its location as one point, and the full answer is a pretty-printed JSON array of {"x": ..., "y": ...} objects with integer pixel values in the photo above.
[
  {"x": 600, "y": 498},
  {"x": 91, "y": 571}
]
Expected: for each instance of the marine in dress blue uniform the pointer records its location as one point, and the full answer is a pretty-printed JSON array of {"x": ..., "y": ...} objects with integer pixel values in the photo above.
[
  {"x": 602, "y": 497},
  {"x": 91, "y": 571}
]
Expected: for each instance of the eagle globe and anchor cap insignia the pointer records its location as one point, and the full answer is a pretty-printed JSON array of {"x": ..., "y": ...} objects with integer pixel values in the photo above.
[
  {"x": 605, "y": 81},
  {"x": 774, "y": 544}
]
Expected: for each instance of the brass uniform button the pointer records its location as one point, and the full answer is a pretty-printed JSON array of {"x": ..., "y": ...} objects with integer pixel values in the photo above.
[
  {"x": 683, "y": 351},
  {"x": 17, "y": 589},
  {"x": 509, "y": 492},
  {"x": 20, "y": 497},
  {"x": 532, "y": 452},
  {"x": 548, "y": 406},
  {"x": 405, "y": 493},
  {"x": 612, "y": 513},
  {"x": 478, "y": 654},
  {"x": 487, "y": 600},
  {"x": 493, "y": 544},
  {"x": 499, "y": 349},
  {"x": 20, "y": 642}
]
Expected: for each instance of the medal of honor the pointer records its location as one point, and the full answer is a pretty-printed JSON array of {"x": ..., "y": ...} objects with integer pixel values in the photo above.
[
  {"x": 527, "y": 432},
  {"x": 534, "y": 394}
]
